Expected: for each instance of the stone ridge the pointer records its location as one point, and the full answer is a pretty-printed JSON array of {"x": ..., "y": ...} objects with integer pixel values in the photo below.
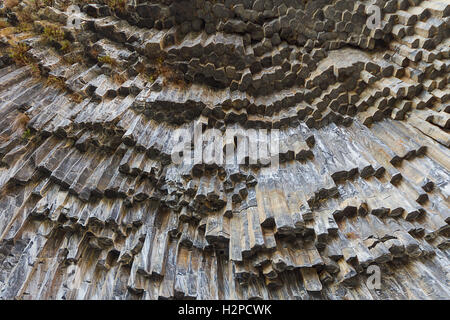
[{"x": 92, "y": 206}]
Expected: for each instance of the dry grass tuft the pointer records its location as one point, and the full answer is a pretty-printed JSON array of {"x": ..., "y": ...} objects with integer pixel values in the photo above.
[
  {"x": 76, "y": 97},
  {"x": 11, "y": 3},
  {"x": 17, "y": 52},
  {"x": 351, "y": 235},
  {"x": 161, "y": 69},
  {"x": 107, "y": 60},
  {"x": 53, "y": 33},
  {"x": 56, "y": 82},
  {"x": 119, "y": 78},
  {"x": 118, "y": 5},
  {"x": 20, "y": 122}
]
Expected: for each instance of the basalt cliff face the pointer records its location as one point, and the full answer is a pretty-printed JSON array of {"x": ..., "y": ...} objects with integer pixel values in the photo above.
[{"x": 93, "y": 207}]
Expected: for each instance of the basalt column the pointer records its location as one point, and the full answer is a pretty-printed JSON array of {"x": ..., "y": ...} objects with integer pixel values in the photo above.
[{"x": 93, "y": 205}]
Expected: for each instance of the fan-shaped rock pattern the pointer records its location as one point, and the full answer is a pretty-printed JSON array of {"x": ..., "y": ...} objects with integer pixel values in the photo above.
[{"x": 93, "y": 207}]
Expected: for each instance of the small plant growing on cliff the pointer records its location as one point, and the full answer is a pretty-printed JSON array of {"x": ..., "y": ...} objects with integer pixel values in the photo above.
[
  {"x": 53, "y": 33},
  {"x": 24, "y": 27},
  {"x": 118, "y": 5},
  {"x": 18, "y": 53},
  {"x": 73, "y": 57},
  {"x": 119, "y": 78},
  {"x": 76, "y": 97},
  {"x": 35, "y": 70},
  {"x": 37, "y": 4},
  {"x": 56, "y": 82},
  {"x": 11, "y": 3},
  {"x": 351, "y": 235},
  {"x": 4, "y": 24},
  {"x": 65, "y": 45},
  {"x": 167, "y": 73},
  {"x": 21, "y": 121},
  {"x": 26, "y": 134},
  {"x": 27, "y": 14},
  {"x": 107, "y": 60}
]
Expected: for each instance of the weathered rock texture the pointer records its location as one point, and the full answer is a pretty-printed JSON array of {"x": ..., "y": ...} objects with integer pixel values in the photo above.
[{"x": 92, "y": 207}]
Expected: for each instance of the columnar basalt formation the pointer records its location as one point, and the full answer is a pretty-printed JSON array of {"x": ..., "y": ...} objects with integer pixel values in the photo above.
[{"x": 93, "y": 207}]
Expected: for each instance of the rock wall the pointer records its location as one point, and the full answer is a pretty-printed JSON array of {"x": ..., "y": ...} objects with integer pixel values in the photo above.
[{"x": 93, "y": 207}]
